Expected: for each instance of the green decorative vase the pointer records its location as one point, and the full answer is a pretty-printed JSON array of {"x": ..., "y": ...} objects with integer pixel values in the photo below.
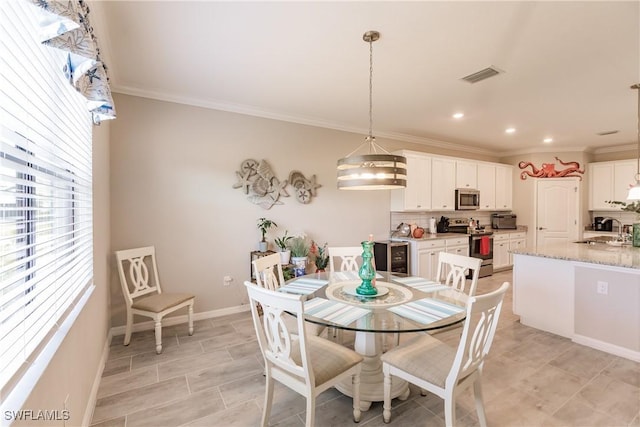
[
  {"x": 367, "y": 273},
  {"x": 636, "y": 234}
]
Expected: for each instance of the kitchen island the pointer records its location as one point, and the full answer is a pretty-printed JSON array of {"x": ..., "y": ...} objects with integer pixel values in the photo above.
[{"x": 588, "y": 293}]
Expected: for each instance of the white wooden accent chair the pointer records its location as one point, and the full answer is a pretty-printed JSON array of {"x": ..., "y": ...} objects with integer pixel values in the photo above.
[
  {"x": 348, "y": 257},
  {"x": 306, "y": 364},
  {"x": 445, "y": 371},
  {"x": 269, "y": 275},
  {"x": 452, "y": 271},
  {"x": 144, "y": 296}
]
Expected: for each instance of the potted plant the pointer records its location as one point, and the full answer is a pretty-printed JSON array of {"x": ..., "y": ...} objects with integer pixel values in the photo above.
[
  {"x": 321, "y": 256},
  {"x": 299, "y": 254},
  {"x": 264, "y": 225},
  {"x": 283, "y": 247}
]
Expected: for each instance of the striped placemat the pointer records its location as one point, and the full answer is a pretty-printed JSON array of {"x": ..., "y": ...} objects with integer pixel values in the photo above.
[
  {"x": 303, "y": 286},
  {"x": 426, "y": 310},
  {"x": 333, "y": 311},
  {"x": 421, "y": 284},
  {"x": 351, "y": 275}
]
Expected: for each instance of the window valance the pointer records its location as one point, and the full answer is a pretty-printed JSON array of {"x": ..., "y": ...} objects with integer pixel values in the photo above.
[{"x": 65, "y": 25}]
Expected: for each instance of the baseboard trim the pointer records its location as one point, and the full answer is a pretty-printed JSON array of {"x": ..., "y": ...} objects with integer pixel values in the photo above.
[
  {"x": 607, "y": 347},
  {"x": 176, "y": 320},
  {"x": 93, "y": 396}
]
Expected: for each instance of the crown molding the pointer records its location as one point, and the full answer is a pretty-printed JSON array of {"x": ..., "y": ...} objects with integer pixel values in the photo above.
[
  {"x": 545, "y": 150},
  {"x": 615, "y": 149},
  {"x": 257, "y": 112}
]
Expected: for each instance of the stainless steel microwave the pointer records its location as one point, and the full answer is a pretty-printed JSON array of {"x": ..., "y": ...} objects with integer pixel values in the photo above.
[{"x": 467, "y": 199}]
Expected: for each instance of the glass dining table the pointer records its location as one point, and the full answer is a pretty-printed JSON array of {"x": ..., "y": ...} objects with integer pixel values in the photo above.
[{"x": 403, "y": 304}]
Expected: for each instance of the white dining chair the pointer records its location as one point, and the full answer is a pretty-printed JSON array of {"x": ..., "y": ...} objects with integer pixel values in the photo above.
[
  {"x": 305, "y": 363},
  {"x": 348, "y": 256},
  {"x": 269, "y": 275},
  {"x": 268, "y": 271},
  {"x": 446, "y": 371},
  {"x": 142, "y": 292},
  {"x": 452, "y": 271}
]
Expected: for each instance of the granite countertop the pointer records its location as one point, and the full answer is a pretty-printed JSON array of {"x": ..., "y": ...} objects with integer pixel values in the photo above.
[
  {"x": 428, "y": 236},
  {"x": 599, "y": 253},
  {"x": 519, "y": 229}
]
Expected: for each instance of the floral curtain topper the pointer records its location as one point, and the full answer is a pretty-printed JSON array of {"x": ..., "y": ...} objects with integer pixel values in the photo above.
[{"x": 65, "y": 25}]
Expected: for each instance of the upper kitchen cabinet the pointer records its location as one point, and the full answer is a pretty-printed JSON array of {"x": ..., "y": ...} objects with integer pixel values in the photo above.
[
  {"x": 417, "y": 194},
  {"x": 443, "y": 184},
  {"x": 432, "y": 181},
  {"x": 487, "y": 186},
  {"x": 466, "y": 174},
  {"x": 610, "y": 181},
  {"x": 504, "y": 187}
]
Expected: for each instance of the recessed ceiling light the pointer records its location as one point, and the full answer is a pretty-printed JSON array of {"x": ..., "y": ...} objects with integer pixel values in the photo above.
[
  {"x": 547, "y": 140},
  {"x": 458, "y": 115},
  {"x": 510, "y": 130}
]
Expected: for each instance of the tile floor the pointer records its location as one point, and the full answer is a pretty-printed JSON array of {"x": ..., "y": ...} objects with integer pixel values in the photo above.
[{"x": 214, "y": 378}]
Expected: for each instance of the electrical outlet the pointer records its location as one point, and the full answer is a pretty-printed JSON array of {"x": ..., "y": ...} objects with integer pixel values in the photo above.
[
  {"x": 602, "y": 287},
  {"x": 227, "y": 280}
]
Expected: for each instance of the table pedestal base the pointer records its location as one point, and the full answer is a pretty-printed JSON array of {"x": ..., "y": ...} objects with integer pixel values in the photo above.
[{"x": 369, "y": 345}]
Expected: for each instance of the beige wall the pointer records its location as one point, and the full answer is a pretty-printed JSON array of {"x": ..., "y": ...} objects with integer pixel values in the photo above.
[
  {"x": 524, "y": 190},
  {"x": 173, "y": 167},
  {"x": 73, "y": 369}
]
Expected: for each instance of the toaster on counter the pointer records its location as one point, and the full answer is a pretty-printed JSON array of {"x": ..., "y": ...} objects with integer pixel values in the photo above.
[{"x": 503, "y": 221}]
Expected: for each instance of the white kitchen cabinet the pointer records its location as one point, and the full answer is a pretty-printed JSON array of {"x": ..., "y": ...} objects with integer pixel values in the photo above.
[
  {"x": 466, "y": 174},
  {"x": 609, "y": 181},
  {"x": 443, "y": 183},
  {"x": 487, "y": 186},
  {"x": 500, "y": 250},
  {"x": 516, "y": 241},
  {"x": 624, "y": 173},
  {"x": 458, "y": 245},
  {"x": 417, "y": 194},
  {"x": 425, "y": 257},
  {"x": 503, "y": 243},
  {"x": 425, "y": 254},
  {"x": 504, "y": 187},
  {"x": 600, "y": 185}
]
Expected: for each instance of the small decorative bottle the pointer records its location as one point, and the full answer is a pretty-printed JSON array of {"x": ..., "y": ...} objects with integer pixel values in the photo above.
[{"x": 367, "y": 271}]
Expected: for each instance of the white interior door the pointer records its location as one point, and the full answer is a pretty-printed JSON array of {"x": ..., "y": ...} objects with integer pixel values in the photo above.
[{"x": 557, "y": 210}]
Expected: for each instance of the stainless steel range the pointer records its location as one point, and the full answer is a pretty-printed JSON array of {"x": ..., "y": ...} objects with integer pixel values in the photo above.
[{"x": 480, "y": 244}]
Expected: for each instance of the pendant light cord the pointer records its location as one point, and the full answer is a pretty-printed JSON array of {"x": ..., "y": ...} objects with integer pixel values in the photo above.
[
  {"x": 637, "y": 87},
  {"x": 371, "y": 138}
]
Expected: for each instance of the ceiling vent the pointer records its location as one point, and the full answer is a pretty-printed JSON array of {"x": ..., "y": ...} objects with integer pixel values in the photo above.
[
  {"x": 482, "y": 75},
  {"x": 608, "y": 132}
]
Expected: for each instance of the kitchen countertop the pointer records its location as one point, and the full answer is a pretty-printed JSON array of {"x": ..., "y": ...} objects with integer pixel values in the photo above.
[
  {"x": 600, "y": 253},
  {"x": 428, "y": 236},
  {"x": 519, "y": 229}
]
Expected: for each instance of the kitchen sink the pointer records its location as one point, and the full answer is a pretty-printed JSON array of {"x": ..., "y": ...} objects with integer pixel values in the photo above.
[{"x": 609, "y": 240}]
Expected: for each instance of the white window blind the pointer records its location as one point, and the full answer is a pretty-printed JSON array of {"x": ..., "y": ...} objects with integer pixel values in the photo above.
[{"x": 46, "y": 239}]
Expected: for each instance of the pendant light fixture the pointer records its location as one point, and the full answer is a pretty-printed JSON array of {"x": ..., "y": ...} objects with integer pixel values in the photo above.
[
  {"x": 634, "y": 192},
  {"x": 378, "y": 169}
]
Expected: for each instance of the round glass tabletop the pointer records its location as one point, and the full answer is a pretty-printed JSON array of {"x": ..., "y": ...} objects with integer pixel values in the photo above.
[{"x": 403, "y": 304}]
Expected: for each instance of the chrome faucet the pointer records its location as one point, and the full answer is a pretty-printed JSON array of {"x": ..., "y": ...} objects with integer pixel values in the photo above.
[{"x": 620, "y": 237}]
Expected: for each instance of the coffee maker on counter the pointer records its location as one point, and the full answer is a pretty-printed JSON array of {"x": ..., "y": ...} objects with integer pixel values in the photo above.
[{"x": 599, "y": 224}]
